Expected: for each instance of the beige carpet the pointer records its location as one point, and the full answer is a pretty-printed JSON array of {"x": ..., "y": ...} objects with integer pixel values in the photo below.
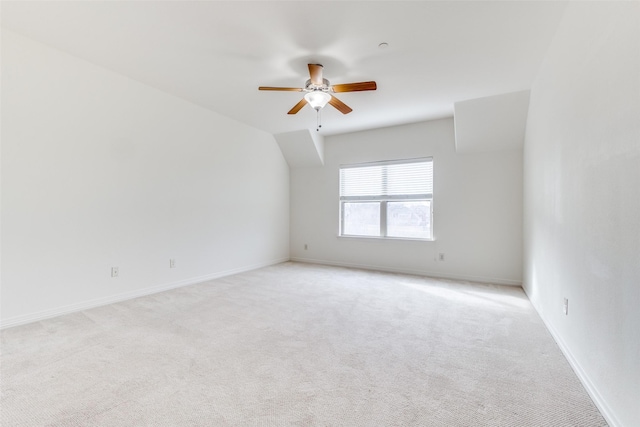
[{"x": 296, "y": 345}]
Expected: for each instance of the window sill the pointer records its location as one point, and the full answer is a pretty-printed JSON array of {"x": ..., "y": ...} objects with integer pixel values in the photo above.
[{"x": 386, "y": 238}]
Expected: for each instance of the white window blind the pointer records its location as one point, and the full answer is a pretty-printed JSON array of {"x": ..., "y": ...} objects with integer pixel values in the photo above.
[{"x": 408, "y": 179}]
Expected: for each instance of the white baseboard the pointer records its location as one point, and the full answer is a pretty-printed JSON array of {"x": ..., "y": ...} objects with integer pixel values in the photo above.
[
  {"x": 85, "y": 305},
  {"x": 438, "y": 275},
  {"x": 592, "y": 390}
]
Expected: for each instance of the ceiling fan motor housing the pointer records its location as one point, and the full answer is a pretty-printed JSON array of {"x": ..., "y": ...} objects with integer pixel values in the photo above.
[{"x": 310, "y": 87}]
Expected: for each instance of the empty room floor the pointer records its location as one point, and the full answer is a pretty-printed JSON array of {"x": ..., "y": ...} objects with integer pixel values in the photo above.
[{"x": 296, "y": 345}]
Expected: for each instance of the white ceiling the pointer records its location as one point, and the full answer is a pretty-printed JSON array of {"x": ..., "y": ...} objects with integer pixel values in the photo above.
[{"x": 217, "y": 53}]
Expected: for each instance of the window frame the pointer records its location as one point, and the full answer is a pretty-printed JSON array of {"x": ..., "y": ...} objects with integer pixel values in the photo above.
[{"x": 383, "y": 201}]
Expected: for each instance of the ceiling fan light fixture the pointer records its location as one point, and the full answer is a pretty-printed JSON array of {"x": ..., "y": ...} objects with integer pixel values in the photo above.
[
  {"x": 317, "y": 99},
  {"x": 319, "y": 92}
]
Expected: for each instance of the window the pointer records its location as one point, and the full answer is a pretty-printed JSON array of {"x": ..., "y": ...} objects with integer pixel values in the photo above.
[{"x": 387, "y": 199}]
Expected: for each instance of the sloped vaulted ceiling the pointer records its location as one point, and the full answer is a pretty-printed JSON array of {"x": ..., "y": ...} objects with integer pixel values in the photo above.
[{"x": 216, "y": 53}]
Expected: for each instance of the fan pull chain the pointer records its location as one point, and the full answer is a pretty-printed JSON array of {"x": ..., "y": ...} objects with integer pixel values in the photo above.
[{"x": 318, "y": 120}]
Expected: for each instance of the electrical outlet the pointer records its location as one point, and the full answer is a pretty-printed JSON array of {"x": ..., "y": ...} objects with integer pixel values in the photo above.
[
  {"x": 172, "y": 263},
  {"x": 441, "y": 256},
  {"x": 306, "y": 247},
  {"x": 565, "y": 307},
  {"x": 114, "y": 272}
]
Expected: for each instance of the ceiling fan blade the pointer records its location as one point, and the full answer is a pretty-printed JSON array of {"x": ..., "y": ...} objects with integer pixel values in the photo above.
[
  {"x": 287, "y": 89},
  {"x": 354, "y": 87},
  {"x": 298, "y": 106},
  {"x": 339, "y": 105},
  {"x": 315, "y": 73}
]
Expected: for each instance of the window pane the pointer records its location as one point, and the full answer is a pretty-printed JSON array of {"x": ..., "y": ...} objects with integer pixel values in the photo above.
[
  {"x": 409, "y": 179},
  {"x": 364, "y": 181},
  {"x": 361, "y": 219},
  {"x": 409, "y": 219}
]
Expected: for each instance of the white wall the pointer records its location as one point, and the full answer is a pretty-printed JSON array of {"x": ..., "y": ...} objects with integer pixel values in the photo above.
[
  {"x": 477, "y": 204},
  {"x": 582, "y": 199},
  {"x": 100, "y": 171}
]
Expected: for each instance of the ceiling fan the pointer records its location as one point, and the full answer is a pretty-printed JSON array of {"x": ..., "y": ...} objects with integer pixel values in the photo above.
[{"x": 318, "y": 91}]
